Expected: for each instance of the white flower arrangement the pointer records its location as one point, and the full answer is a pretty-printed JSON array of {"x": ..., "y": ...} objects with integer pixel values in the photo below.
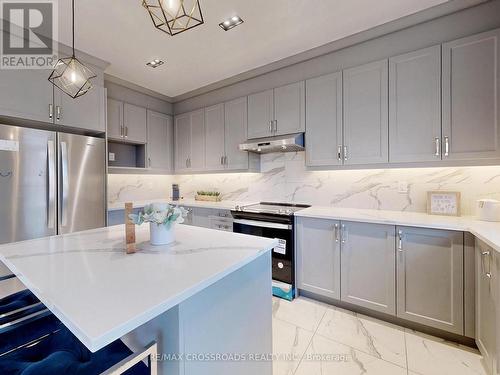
[{"x": 160, "y": 214}]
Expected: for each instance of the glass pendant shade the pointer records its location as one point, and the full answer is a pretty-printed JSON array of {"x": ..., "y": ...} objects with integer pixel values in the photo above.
[
  {"x": 72, "y": 77},
  {"x": 174, "y": 16}
]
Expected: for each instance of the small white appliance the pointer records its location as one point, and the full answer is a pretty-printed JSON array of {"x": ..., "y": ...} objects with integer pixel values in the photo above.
[{"x": 488, "y": 210}]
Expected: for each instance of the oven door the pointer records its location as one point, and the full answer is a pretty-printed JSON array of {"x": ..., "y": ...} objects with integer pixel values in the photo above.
[{"x": 282, "y": 255}]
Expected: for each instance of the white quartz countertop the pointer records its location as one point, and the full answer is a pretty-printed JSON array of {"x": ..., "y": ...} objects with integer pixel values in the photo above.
[
  {"x": 223, "y": 205},
  {"x": 488, "y": 232},
  {"x": 101, "y": 294}
]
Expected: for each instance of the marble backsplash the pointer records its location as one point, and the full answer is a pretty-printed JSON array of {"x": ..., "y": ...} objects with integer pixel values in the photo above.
[{"x": 285, "y": 178}]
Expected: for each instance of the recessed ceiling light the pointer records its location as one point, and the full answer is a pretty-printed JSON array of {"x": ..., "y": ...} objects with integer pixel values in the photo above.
[
  {"x": 230, "y": 23},
  {"x": 155, "y": 63}
]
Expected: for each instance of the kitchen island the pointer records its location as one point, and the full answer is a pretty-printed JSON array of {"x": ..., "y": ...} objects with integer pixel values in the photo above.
[{"x": 205, "y": 299}]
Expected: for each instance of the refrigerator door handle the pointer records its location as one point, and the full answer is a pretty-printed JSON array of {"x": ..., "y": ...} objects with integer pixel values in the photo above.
[
  {"x": 64, "y": 183},
  {"x": 51, "y": 188}
]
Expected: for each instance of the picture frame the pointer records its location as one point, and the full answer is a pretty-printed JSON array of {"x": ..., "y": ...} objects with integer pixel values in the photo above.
[{"x": 445, "y": 203}]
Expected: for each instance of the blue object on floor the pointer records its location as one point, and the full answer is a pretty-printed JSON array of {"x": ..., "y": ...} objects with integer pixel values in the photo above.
[
  {"x": 283, "y": 290},
  {"x": 17, "y": 301},
  {"x": 62, "y": 353}
]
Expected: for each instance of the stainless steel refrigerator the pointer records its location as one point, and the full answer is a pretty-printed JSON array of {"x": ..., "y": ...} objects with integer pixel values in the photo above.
[{"x": 50, "y": 183}]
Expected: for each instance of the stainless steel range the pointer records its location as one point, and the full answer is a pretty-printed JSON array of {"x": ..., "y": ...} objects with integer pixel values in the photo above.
[{"x": 273, "y": 220}]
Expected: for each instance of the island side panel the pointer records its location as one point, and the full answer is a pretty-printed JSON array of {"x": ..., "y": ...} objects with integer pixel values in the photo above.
[{"x": 233, "y": 316}]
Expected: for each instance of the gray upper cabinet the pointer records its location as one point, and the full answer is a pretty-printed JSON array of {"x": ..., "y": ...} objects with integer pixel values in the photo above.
[
  {"x": 160, "y": 141},
  {"x": 415, "y": 106},
  {"x": 197, "y": 158},
  {"x": 26, "y": 94},
  {"x": 435, "y": 297},
  {"x": 115, "y": 119},
  {"x": 318, "y": 256},
  {"x": 486, "y": 321},
  {"x": 214, "y": 137},
  {"x": 324, "y": 120},
  {"x": 235, "y": 118},
  {"x": 86, "y": 112},
  {"x": 471, "y": 97},
  {"x": 277, "y": 112},
  {"x": 366, "y": 124},
  {"x": 134, "y": 122},
  {"x": 289, "y": 109},
  {"x": 182, "y": 147},
  {"x": 260, "y": 114},
  {"x": 369, "y": 266}
]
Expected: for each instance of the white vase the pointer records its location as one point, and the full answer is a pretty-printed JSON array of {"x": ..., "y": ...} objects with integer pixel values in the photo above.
[{"x": 160, "y": 234}]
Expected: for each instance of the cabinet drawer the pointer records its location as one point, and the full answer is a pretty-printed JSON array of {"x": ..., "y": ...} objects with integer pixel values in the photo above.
[{"x": 221, "y": 224}]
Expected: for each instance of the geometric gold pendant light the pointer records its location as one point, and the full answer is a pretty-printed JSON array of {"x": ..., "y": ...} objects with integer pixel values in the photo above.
[
  {"x": 70, "y": 74},
  {"x": 174, "y": 16}
]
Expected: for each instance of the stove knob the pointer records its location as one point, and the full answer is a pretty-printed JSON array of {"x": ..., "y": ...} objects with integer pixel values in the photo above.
[
  {"x": 237, "y": 208},
  {"x": 280, "y": 265}
]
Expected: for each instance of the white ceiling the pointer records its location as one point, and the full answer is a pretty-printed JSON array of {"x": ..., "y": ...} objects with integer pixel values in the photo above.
[{"x": 121, "y": 32}]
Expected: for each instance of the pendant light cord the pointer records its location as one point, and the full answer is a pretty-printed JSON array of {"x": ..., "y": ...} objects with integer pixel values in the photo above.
[{"x": 73, "y": 25}]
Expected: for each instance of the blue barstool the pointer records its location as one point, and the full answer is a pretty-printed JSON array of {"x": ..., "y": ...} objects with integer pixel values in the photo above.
[
  {"x": 23, "y": 309},
  {"x": 62, "y": 353}
]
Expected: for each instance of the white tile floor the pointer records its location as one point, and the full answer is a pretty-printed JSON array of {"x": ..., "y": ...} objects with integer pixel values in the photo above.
[{"x": 312, "y": 338}]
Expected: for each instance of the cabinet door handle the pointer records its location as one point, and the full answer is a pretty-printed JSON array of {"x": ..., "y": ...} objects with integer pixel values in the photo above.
[
  {"x": 438, "y": 148},
  {"x": 400, "y": 241},
  {"x": 126, "y": 131},
  {"x": 487, "y": 254},
  {"x": 270, "y": 126},
  {"x": 346, "y": 155},
  {"x": 149, "y": 162},
  {"x": 339, "y": 153},
  {"x": 225, "y": 160},
  {"x": 344, "y": 234},
  {"x": 275, "y": 126},
  {"x": 51, "y": 111},
  {"x": 446, "y": 146},
  {"x": 222, "y": 160},
  {"x": 337, "y": 235},
  {"x": 186, "y": 163},
  {"x": 58, "y": 112}
]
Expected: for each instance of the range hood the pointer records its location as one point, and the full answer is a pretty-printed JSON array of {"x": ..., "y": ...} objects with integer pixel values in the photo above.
[{"x": 282, "y": 143}]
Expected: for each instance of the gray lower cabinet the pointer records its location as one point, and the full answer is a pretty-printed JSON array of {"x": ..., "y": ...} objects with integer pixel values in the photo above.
[
  {"x": 366, "y": 125},
  {"x": 235, "y": 133},
  {"x": 415, "y": 106},
  {"x": 201, "y": 216},
  {"x": 486, "y": 320},
  {"x": 134, "y": 122},
  {"x": 368, "y": 266},
  {"x": 324, "y": 120},
  {"x": 430, "y": 277},
  {"x": 471, "y": 97},
  {"x": 214, "y": 137},
  {"x": 160, "y": 141},
  {"x": 318, "y": 256}
]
